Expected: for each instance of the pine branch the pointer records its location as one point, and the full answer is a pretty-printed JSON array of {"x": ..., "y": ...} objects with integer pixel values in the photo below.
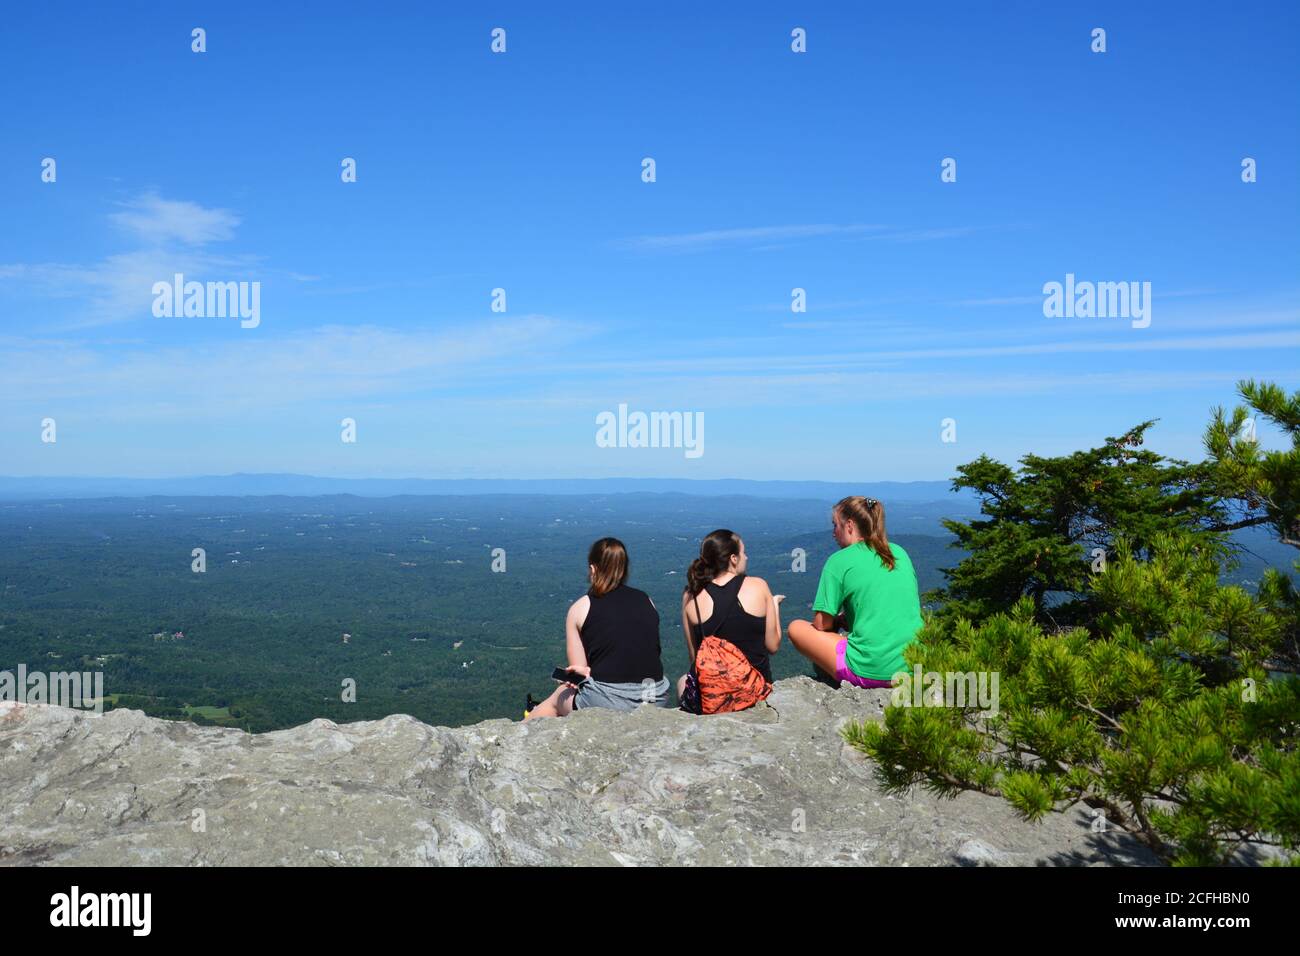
[{"x": 1106, "y": 717}]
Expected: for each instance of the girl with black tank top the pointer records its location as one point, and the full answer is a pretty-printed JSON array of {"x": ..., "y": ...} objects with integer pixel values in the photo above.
[
  {"x": 611, "y": 638},
  {"x": 733, "y": 623},
  {"x": 718, "y": 576},
  {"x": 620, "y": 637}
]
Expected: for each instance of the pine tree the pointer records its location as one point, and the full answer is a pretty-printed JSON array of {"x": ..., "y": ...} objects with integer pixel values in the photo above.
[
  {"x": 1043, "y": 526},
  {"x": 1264, "y": 487},
  {"x": 1168, "y": 702}
]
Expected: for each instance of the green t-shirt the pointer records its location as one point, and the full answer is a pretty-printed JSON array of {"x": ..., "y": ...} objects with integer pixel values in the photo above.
[{"x": 882, "y": 608}]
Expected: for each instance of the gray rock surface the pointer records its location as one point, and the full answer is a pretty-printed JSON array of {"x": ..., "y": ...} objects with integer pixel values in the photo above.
[{"x": 776, "y": 785}]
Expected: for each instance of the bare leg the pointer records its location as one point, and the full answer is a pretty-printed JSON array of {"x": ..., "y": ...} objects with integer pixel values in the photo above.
[
  {"x": 817, "y": 646},
  {"x": 559, "y": 704},
  {"x": 681, "y": 687}
]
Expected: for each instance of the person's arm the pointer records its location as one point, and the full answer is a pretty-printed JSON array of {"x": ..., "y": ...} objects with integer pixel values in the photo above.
[
  {"x": 824, "y": 622},
  {"x": 830, "y": 598},
  {"x": 686, "y": 627},
  {"x": 773, "y": 637},
  {"x": 573, "y": 648}
]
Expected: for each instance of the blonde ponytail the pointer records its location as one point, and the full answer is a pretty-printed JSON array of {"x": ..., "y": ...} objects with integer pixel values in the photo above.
[{"x": 868, "y": 516}]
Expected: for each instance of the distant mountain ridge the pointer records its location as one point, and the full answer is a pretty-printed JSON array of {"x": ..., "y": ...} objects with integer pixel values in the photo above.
[{"x": 38, "y": 488}]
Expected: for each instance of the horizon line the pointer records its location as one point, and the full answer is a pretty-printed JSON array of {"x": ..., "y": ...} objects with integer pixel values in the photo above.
[
  {"x": 299, "y": 474},
  {"x": 15, "y": 490}
]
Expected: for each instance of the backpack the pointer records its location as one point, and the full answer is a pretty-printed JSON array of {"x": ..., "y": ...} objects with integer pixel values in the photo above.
[{"x": 722, "y": 680}]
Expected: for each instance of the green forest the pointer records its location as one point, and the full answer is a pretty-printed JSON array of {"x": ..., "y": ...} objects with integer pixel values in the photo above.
[{"x": 256, "y": 640}]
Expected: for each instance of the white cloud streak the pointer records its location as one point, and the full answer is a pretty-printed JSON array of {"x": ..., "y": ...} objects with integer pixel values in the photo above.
[
  {"x": 155, "y": 220},
  {"x": 712, "y": 239},
  {"x": 245, "y": 371}
]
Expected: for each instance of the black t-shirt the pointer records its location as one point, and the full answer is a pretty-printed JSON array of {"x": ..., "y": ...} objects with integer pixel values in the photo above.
[{"x": 621, "y": 637}]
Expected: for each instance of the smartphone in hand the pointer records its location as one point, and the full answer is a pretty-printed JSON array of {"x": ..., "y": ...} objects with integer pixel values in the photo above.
[{"x": 566, "y": 676}]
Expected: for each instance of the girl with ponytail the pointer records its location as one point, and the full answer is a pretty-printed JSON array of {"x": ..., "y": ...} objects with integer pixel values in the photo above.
[
  {"x": 732, "y": 625},
  {"x": 868, "y": 587}
]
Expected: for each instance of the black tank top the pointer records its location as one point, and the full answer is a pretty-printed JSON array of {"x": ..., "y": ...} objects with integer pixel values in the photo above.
[
  {"x": 747, "y": 632},
  {"x": 621, "y": 637}
]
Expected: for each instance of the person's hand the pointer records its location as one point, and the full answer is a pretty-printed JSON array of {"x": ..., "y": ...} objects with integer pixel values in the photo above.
[
  {"x": 582, "y": 669},
  {"x": 777, "y": 599}
]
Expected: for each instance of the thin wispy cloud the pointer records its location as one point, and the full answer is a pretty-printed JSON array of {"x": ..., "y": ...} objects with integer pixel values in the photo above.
[
  {"x": 117, "y": 288},
  {"x": 1031, "y": 299},
  {"x": 170, "y": 237},
  {"x": 872, "y": 326},
  {"x": 155, "y": 220},
  {"x": 744, "y": 390},
  {"x": 1134, "y": 343},
  {"x": 390, "y": 285},
  {"x": 1002, "y": 300},
  {"x": 718, "y": 238},
  {"x": 817, "y": 305},
  {"x": 923, "y": 235},
  {"x": 785, "y": 390},
  {"x": 769, "y": 238},
  {"x": 1236, "y": 319},
  {"x": 785, "y": 362},
  {"x": 328, "y": 364}
]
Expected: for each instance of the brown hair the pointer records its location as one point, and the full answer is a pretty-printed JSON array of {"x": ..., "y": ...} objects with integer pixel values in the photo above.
[
  {"x": 716, "y": 551},
  {"x": 609, "y": 558},
  {"x": 868, "y": 515}
]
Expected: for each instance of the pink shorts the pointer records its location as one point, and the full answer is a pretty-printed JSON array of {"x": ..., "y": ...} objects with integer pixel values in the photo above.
[{"x": 843, "y": 673}]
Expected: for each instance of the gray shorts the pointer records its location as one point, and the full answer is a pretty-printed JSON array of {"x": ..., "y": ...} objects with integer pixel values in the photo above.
[{"x": 594, "y": 693}]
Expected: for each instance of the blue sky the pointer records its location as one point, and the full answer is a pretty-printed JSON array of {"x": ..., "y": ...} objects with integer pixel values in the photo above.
[{"x": 522, "y": 170}]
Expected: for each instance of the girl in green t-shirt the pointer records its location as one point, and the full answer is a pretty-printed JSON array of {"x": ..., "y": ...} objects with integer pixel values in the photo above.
[{"x": 867, "y": 588}]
